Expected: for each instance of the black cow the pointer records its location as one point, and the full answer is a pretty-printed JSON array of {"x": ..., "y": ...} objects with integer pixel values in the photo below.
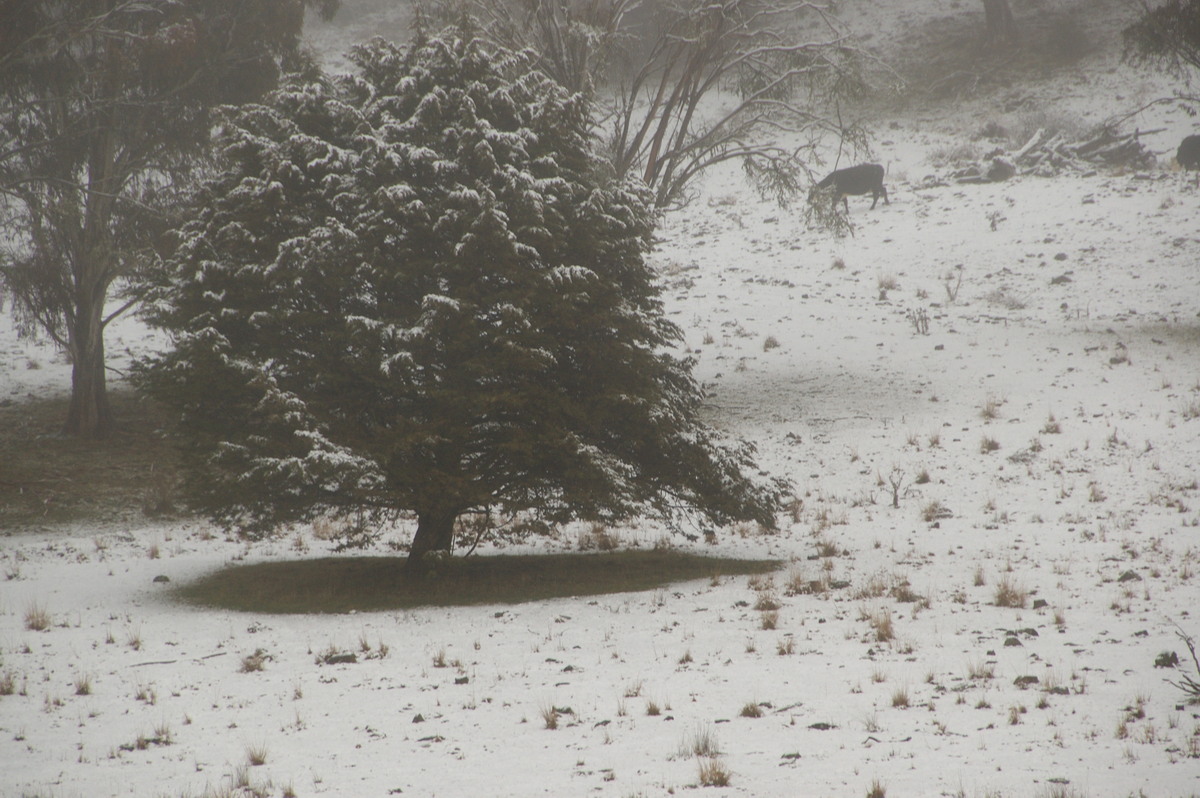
[
  {"x": 866, "y": 178},
  {"x": 1188, "y": 154}
]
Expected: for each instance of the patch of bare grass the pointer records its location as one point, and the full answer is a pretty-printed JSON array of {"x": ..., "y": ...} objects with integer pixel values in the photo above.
[{"x": 52, "y": 479}]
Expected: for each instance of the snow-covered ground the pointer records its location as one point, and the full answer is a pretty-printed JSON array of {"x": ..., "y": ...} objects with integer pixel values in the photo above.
[{"x": 1072, "y": 341}]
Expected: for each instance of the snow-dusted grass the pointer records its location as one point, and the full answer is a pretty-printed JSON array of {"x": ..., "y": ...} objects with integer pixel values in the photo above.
[{"x": 1089, "y": 509}]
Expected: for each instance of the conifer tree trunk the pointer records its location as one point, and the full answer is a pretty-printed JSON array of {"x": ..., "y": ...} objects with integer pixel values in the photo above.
[{"x": 435, "y": 532}]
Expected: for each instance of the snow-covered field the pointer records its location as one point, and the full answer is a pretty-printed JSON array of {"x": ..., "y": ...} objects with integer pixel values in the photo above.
[{"x": 1071, "y": 341}]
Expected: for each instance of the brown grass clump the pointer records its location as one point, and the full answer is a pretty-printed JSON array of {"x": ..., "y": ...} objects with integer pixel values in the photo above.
[
  {"x": 37, "y": 619},
  {"x": 751, "y": 710},
  {"x": 1010, "y": 594},
  {"x": 713, "y": 773}
]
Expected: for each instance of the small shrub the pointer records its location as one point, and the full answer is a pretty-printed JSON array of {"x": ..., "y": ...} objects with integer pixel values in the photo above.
[
  {"x": 877, "y": 790},
  {"x": 769, "y": 620},
  {"x": 900, "y": 697},
  {"x": 8, "y": 683},
  {"x": 988, "y": 445},
  {"x": 550, "y": 717},
  {"x": 770, "y": 343},
  {"x": 1051, "y": 427}
]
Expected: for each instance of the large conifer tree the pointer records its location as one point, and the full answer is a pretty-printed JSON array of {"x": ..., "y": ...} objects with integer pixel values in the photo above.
[{"x": 411, "y": 291}]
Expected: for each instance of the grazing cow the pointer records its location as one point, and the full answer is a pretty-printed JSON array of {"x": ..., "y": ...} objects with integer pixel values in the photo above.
[
  {"x": 1188, "y": 154},
  {"x": 866, "y": 178}
]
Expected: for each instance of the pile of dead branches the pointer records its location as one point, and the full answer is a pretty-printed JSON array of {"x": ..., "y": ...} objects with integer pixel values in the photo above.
[{"x": 1049, "y": 153}]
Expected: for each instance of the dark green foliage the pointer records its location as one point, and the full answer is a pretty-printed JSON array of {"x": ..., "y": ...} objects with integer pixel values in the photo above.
[
  {"x": 1167, "y": 36},
  {"x": 411, "y": 291}
]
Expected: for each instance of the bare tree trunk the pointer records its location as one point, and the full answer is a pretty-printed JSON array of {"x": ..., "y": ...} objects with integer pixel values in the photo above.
[
  {"x": 89, "y": 414},
  {"x": 435, "y": 532},
  {"x": 1000, "y": 24}
]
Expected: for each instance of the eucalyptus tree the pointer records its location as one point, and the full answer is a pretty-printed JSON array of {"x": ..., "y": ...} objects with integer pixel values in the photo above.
[{"x": 105, "y": 109}]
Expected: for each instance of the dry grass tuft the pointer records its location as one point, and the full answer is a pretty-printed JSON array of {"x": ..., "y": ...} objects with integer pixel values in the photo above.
[
  {"x": 714, "y": 773},
  {"x": 751, "y": 709},
  {"x": 37, "y": 619},
  {"x": 256, "y": 755},
  {"x": 1010, "y": 594}
]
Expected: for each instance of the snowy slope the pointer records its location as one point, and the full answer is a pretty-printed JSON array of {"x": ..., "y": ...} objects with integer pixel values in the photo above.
[{"x": 1078, "y": 308}]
